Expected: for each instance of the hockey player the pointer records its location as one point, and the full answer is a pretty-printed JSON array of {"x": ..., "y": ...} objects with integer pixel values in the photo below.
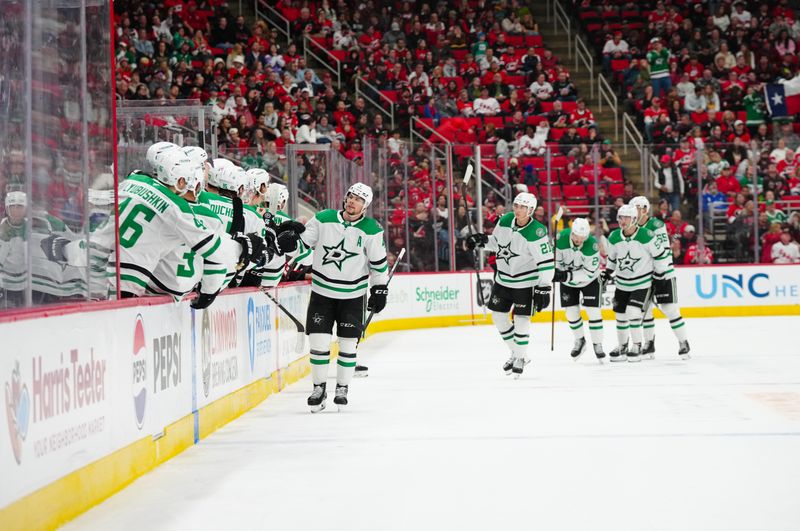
[
  {"x": 349, "y": 256},
  {"x": 154, "y": 220},
  {"x": 635, "y": 255},
  {"x": 578, "y": 270},
  {"x": 665, "y": 288},
  {"x": 525, "y": 269}
]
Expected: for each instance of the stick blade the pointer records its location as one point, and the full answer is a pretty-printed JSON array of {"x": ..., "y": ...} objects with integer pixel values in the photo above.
[{"x": 468, "y": 173}]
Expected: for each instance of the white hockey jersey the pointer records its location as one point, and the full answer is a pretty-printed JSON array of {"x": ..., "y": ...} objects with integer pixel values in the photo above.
[
  {"x": 661, "y": 234},
  {"x": 153, "y": 222},
  {"x": 347, "y": 256},
  {"x": 636, "y": 259},
  {"x": 524, "y": 254},
  {"x": 583, "y": 262}
]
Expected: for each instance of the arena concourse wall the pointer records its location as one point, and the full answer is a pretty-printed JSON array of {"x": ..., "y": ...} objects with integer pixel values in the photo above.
[{"x": 98, "y": 395}]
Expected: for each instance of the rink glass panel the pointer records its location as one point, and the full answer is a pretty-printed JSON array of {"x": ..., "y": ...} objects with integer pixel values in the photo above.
[{"x": 56, "y": 152}]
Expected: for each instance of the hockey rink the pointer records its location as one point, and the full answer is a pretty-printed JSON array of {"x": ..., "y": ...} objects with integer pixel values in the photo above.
[{"x": 439, "y": 438}]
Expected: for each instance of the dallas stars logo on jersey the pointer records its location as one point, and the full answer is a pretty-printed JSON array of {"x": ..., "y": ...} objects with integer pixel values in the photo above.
[
  {"x": 504, "y": 252},
  {"x": 336, "y": 254},
  {"x": 627, "y": 262}
]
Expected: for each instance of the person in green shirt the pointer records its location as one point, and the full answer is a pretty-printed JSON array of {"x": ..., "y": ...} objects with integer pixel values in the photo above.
[
  {"x": 658, "y": 58},
  {"x": 775, "y": 215},
  {"x": 754, "y": 107},
  {"x": 479, "y": 48}
]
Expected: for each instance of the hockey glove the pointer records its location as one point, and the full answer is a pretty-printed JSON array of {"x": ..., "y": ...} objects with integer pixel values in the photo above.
[
  {"x": 291, "y": 225},
  {"x": 253, "y": 249},
  {"x": 607, "y": 276},
  {"x": 377, "y": 298},
  {"x": 477, "y": 239},
  {"x": 541, "y": 297},
  {"x": 562, "y": 276},
  {"x": 287, "y": 241},
  {"x": 203, "y": 300},
  {"x": 53, "y": 248}
]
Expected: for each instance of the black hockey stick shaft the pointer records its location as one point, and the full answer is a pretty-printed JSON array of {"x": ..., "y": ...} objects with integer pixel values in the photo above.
[
  {"x": 391, "y": 274},
  {"x": 300, "y": 327},
  {"x": 553, "y": 291},
  {"x": 467, "y": 176}
]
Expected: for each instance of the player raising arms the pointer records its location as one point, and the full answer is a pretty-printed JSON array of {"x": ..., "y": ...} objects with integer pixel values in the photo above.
[
  {"x": 665, "y": 288},
  {"x": 578, "y": 269},
  {"x": 524, "y": 271},
  {"x": 349, "y": 255}
]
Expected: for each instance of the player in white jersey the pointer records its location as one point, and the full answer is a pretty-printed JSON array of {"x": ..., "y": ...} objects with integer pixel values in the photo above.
[
  {"x": 665, "y": 288},
  {"x": 349, "y": 255},
  {"x": 525, "y": 270},
  {"x": 635, "y": 255},
  {"x": 578, "y": 270},
  {"x": 154, "y": 220}
]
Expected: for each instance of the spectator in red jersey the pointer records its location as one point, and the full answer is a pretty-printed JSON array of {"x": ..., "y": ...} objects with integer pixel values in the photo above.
[
  {"x": 698, "y": 253},
  {"x": 581, "y": 116},
  {"x": 651, "y": 117},
  {"x": 727, "y": 183},
  {"x": 736, "y": 208},
  {"x": 676, "y": 225},
  {"x": 768, "y": 239}
]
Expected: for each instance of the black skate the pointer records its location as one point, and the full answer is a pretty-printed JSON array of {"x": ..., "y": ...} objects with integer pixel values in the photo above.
[
  {"x": 598, "y": 351},
  {"x": 362, "y": 371},
  {"x": 649, "y": 350},
  {"x": 341, "y": 396},
  {"x": 634, "y": 353},
  {"x": 683, "y": 351},
  {"x": 508, "y": 365},
  {"x": 519, "y": 365},
  {"x": 619, "y": 353},
  {"x": 578, "y": 348},
  {"x": 317, "y": 399}
]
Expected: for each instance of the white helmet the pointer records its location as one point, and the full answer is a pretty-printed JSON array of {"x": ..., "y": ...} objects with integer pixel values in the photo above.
[
  {"x": 640, "y": 201},
  {"x": 277, "y": 195},
  {"x": 225, "y": 178},
  {"x": 580, "y": 227},
  {"x": 628, "y": 211},
  {"x": 16, "y": 198},
  {"x": 157, "y": 149},
  {"x": 361, "y": 190},
  {"x": 526, "y": 199},
  {"x": 196, "y": 154},
  {"x": 217, "y": 165},
  {"x": 258, "y": 178},
  {"x": 174, "y": 166}
]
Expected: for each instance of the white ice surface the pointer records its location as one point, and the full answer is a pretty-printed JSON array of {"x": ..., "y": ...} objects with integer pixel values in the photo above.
[{"x": 439, "y": 438}]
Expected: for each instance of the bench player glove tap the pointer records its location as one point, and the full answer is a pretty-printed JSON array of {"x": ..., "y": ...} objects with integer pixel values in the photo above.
[
  {"x": 561, "y": 275},
  {"x": 290, "y": 225},
  {"x": 477, "y": 239},
  {"x": 253, "y": 248},
  {"x": 287, "y": 241},
  {"x": 541, "y": 297},
  {"x": 53, "y": 248},
  {"x": 377, "y": 298},
  {"x": 606, "y": 276}
]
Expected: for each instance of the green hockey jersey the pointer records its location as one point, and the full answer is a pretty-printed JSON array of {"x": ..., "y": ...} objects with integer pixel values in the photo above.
[
  {"x": 582, "y": 261},
  {"x": 524, "y": 254},
  {"x": 635, "y": 259},
  {"x": 347, "y": 256}
]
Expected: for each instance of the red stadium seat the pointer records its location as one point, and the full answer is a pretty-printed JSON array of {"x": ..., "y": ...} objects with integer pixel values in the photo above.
[{"x": 574, "y": 191}]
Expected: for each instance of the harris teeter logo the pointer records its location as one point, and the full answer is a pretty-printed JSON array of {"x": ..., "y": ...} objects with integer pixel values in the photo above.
[{"x": 336, "y": 254}]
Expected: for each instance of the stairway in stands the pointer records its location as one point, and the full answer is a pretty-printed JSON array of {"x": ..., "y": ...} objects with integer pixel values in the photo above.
[{"x": 561, "y": 45}]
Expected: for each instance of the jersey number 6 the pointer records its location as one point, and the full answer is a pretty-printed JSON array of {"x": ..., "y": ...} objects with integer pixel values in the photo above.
[{"x": 130, "y": 230}]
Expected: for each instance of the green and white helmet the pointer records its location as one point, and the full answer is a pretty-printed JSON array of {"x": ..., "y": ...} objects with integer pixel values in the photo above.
[
  {"x": 157, "y": 149},
  {"x": 225, "y": 178},
  {"x": 174, "y": 165},
  {"x": 16, "y": 198},
  {"x": 217, "y": 165}
]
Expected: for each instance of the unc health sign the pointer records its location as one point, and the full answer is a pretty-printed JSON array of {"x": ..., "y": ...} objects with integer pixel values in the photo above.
[{"x": 739, "y": 286}]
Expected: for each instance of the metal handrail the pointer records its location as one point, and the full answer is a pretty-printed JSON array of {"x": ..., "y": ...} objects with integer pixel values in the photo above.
[
  {"x": 604, "y": 91},
  {"x": 582, "y": 55},
  {"x": 336, "y": 71},
  {"x": 560, "y": 17},
  {"x": 386, "y": 100},
  {"x": 629, "y": 131},
  {"x": 274, "y": 18}
]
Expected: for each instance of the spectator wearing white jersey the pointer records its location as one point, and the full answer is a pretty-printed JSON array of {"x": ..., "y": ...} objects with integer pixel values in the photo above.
[{"x": 485, "y": 105}]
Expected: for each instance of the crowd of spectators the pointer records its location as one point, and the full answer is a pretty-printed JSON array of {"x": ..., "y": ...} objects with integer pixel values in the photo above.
[{"x": 693, "y": 74}]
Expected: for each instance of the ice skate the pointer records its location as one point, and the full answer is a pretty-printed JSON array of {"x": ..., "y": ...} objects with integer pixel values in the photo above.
[
  {"x": 649, "y": 350},
  {"x": 317, "y": 399},
  {"x": 341, "y": 396},
  {"x": 634, "y": 353},
  {"x": 598, "y": 351},
  {"x": 683, "y": 351},
  {"x": 362, "y": 371},
  {"x": 578, "y": 348},
  {"x": 619, "y": 353},
  {"x": 519, "y": 365},
  {"x": 508, "y": 365}
]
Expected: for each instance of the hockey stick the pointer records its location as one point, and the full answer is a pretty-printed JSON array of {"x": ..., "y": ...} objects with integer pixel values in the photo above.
[
  {"x": 553, "y": 291},
  {"x": 391, "y": 274},
  {"x": 301, "y": 329},
  {"x": 465, "y": 182}
]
